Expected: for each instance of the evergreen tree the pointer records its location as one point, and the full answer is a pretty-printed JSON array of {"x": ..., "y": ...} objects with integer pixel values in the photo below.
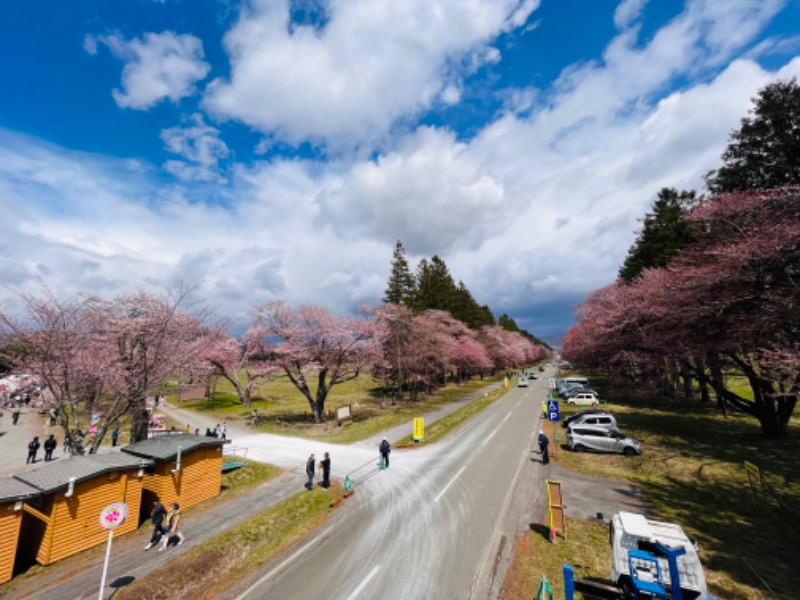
[
  {"x": 401, "y": 286},
  {"x": 765, "y": 152},
  {"x": 507, "y": 323},
  {"x": 663, "y": 235},
  {"x": 436, "y": 289}
]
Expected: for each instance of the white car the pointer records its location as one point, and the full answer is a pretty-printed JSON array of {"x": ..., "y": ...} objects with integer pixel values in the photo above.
[
  {"x": 583, "y": 399},
  {"x": 522, "y": 382},
  {"x": 581, "y": 438}
]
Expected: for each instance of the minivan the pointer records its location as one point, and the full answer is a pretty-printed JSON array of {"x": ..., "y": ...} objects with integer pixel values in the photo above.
[{"x": 597, "y": 419}]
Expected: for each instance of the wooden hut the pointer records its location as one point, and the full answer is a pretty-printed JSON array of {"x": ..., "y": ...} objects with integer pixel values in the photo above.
[
  {"x": 187, "y": 468},
  {"x": 64, "y": 519},
  {"x": 12, "y": 494}
]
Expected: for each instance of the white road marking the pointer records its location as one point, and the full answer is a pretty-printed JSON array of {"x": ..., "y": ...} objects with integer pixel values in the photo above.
[
  {"x": 491, "y": 435},
  {"x": 364, "y": 583},
  {"x": 275, "y": 570},
  {"x": 449, "y": 484},
  {"x": 506, "y": 419}
]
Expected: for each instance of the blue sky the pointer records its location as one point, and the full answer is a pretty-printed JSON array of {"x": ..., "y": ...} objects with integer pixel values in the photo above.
[{"x": 271, "y": 149}]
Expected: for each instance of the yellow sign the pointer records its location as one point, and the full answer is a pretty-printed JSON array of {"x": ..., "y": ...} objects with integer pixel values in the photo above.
[
  {"x": 419, "y": 428},
  {"x": 505, "y": 382}
]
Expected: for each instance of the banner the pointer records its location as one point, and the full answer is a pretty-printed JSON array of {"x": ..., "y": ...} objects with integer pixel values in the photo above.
[{"x": 419, "y": 429}]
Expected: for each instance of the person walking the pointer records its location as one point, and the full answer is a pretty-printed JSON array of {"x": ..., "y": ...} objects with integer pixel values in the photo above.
[
  {"x": 311, "y": 465},
  {"x": 325, "y": 463},
  {"x": 49, "y": 445},
  {"x": 67, "y": 444},
  {"x": 33, "y": 448},
  {"x": 157, "y": 515},
  {"x": 544, "y": 442},
  {"x": 173, "y": 526},
  {"x": 15, "y": 416},
  {"x": 223, "y": 430},
  {"x": 114, "y": 436},
  {"x": 385, "y": 449}
]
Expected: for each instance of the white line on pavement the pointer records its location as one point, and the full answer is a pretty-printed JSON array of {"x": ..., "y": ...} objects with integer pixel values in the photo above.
[
  {"x": 491, "y": 435},
  {"x": 364, "y": 583},
  {"x": 273, "y": 571},
  {"x": 449, "y": 484}
]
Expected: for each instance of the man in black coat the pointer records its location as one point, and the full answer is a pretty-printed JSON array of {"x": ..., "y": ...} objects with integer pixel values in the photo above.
[
  {"x": 157, "y": 516},
  {"x": 544, "y": 442},
  {"x": 311, "y": 465},
  {"x": 385, "y": 449},
  {"x": 33, "y": 448},
  {"x": 49, "y": 445},
  {"x": 326, "y": 471}
]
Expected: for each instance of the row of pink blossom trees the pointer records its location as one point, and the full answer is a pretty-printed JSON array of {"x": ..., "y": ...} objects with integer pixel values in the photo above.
[
  {"x": 103, "y": 357},
  {"x": 727, "y": 309}
]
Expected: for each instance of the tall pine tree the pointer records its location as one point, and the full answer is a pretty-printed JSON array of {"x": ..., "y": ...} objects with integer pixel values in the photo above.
[
  {"x": 663, "y": 235},
  {"x": 401, "y": 287}
]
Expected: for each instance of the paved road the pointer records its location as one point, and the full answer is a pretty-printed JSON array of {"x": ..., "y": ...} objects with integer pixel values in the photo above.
[
  {"x": 446, "y": 513},
  {"x": 439, "y": 523}
]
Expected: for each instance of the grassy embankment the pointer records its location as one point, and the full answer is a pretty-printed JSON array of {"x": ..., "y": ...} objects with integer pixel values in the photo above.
[
  {"x": 207, "y": 571},
  {"x": 691, "y": 473}
]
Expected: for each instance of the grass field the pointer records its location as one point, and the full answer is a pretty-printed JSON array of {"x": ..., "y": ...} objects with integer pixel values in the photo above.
[
  {"x": 692, "y": 472},
  {"x": 283, "y": 409}
]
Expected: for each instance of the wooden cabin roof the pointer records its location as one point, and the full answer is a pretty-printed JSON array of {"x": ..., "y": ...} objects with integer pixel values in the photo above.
[
  {"x": 165, "y": 447},
  {"x": 12, "y": 490},
  {"x": 55, "y": 475}
]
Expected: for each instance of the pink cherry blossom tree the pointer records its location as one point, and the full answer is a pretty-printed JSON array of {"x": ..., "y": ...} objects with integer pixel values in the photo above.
[{"x": 316, "y": 349}]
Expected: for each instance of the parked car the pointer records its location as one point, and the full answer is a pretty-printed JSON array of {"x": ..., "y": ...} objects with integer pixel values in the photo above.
[
  {"x": 575, "y": 416},
  {"x": 583, "y": 399},
  {"x": 522, "y": 382},
  {"x": 581, "y": 438},
  {"x": 597, "y": 419},
  {"x": 633, "y": 531},
  {"x": 569, "y": 393}
]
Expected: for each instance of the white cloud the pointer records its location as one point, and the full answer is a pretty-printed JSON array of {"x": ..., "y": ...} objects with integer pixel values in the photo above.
[
  {"x": 429, "y": 193},
  {"x": 374, "y": 63},
  {"x": 200, "y": 145},
  {"x": 627, "y": 12},
  {"x": 159, "y": 66}
]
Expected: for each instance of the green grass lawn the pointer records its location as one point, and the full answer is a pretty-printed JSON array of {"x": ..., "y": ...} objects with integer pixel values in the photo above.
[
  {"x": 692, "y": 473},
  {"x": 284, "y": 410}
]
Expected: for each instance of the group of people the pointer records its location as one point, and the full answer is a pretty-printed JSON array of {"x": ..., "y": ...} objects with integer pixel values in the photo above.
[
  {"x": 220, "y": 431},
  {"x": 34, "y": 445},
  {"x": 324, "y": 467},
  {"x": 166, "y": 525}
]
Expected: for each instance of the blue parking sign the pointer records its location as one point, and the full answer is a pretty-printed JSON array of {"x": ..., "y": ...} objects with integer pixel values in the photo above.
[{"x": 553, "y": 414}]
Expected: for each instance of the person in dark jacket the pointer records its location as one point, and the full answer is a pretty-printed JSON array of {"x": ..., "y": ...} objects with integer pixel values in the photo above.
[
  {"x": 49, "y": 445},
  {"x": 544, "y": 442},
  {"x": 33, "y": 448},
  {"x": 114, "y": 436},
  {"x": 311, "y": 465},
  {"x": 385, "y": 449},
  {"x": 325, "y": 463},
  {"x": 157, "y": 515}
]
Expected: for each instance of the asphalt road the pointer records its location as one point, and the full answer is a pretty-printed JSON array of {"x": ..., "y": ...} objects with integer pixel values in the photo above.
[{"x": 437, "y": 524}]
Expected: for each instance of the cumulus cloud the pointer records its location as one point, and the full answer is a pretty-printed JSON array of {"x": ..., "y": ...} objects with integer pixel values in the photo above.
[
  {"x": 158, "y": 66},
  {"x": 430, "y": 193},
  {"x": 373, "y": 63},
  {"x": 201, "y": 147},
  {"x": 627, "y": 12}
]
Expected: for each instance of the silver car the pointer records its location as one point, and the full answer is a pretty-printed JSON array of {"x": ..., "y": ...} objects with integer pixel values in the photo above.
[{"x": 581, "y": 438}]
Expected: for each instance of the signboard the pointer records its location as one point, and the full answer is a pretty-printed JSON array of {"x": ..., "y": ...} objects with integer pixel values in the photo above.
[
  {"x": 419, "y": 429},
  {"x": 552, "y": 383},
  {"x": 553, "y": 412},
  {"x": 343, "y": 412},
  {"x": 113, "y": 515},
  {"x": 555, "y": 502},
  {"x": 505, "y": 382},
  {"x": 158, "y": 422}
]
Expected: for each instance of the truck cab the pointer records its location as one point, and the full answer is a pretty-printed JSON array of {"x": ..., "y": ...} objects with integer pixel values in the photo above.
[{"x": 630, "y": 531}]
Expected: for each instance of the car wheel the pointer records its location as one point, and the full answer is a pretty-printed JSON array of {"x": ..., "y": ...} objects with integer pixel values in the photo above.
[
  {"x": 628, "y": 591},
  {"x": 579, "y": 448},
  {"x": 629, "y": 451}
]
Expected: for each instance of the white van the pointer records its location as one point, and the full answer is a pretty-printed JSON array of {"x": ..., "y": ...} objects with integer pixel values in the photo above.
[
  {"x": 575, "y": 380},
  {"x": 630, "y": 531}
]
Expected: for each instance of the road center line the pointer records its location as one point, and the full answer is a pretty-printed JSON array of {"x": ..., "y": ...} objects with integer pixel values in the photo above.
[
  {"x": 491, "y": 435},
  {"x": 506, "y": 419},
  {"x": 449, "y": 484},
  {"x": 364, "y": 583}
]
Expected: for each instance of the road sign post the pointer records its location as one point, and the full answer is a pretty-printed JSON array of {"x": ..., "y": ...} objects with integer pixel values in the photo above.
[
  {"x": 419, "y": 429},
  {"x": 553, "y": 412},
  {"x": 111, "y": 517}
]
